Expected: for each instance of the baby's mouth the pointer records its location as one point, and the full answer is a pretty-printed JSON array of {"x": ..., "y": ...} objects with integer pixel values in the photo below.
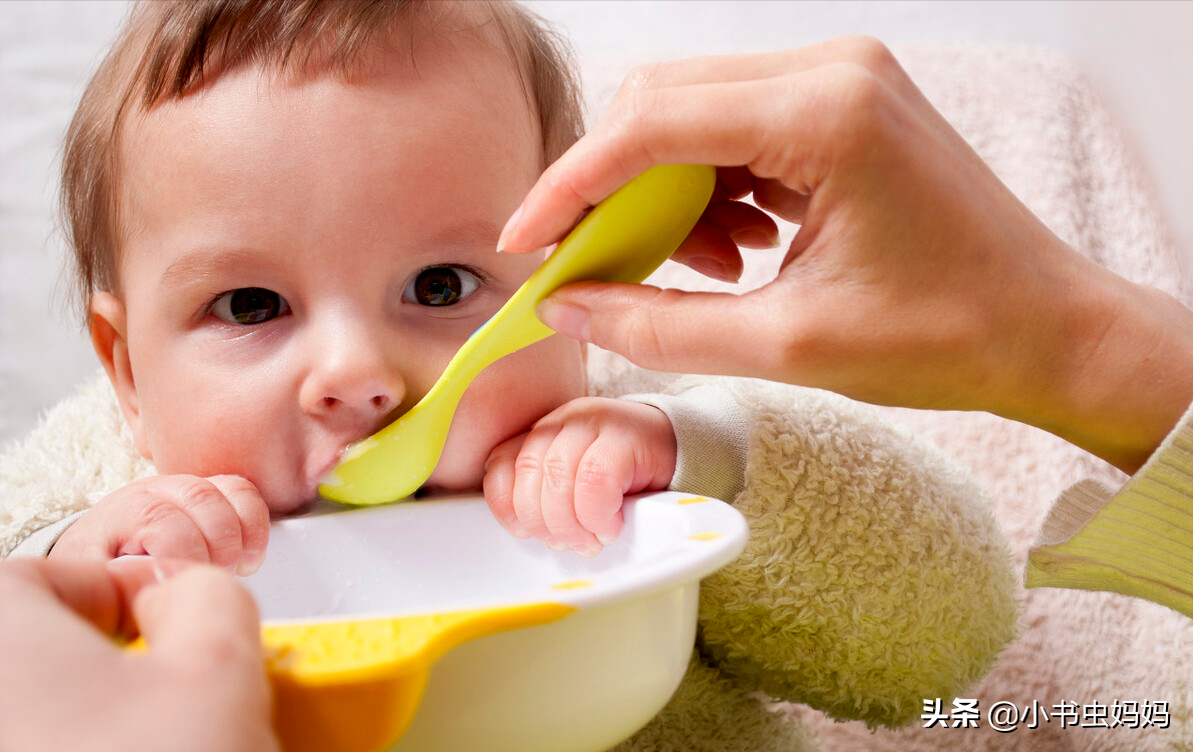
[{"x": 322, "y": 471}]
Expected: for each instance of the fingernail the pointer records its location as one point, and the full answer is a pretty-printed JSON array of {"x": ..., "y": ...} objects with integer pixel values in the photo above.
[
  {"x": 713, "y": 267},
  {"x": 588, "y": 550},
  {"x": 509, "y": 227},
  {"x": 606, "y": 539},
  {"x": 554, "y": 545},
  {"x": 565, "y": 318},
  {"x": 516, "y": 529},
  {"x": 249, "y": 563},
  {"x": 752, "y": 237}
]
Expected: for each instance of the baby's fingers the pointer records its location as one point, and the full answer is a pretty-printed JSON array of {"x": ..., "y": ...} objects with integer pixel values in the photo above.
[
  {"x": 560, "y": 467},
  {"x": 605, "y": 474},
  {"x": 253, "y": 513},
  {"x": 498, "y": 484},
  {"x": 193, "y": 521},
  {"x": 164, "y": 530}
]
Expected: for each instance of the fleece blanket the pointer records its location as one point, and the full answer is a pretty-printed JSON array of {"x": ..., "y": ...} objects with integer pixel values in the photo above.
[{"x": 1037, "y": 121}]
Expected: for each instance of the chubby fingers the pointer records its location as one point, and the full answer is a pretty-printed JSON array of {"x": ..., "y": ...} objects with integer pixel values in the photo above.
[
  {"x": 566, "y": 479},
  {"x": 533, "y": 475},
  {"x": 253, "y": 514},
  {"x": 545, "y": 486},
  {"x": 222, "y": 520},
  {"x": 537, "y": 483},
  {"x": 498, "y": 484}
]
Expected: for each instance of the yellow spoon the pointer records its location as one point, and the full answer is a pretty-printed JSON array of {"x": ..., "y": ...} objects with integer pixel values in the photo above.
[{"x": 623, "y": 239}]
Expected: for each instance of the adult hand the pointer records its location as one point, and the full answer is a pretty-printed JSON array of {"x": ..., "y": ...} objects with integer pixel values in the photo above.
[
  {"x": 68, "y": 685},
  {"x": 916, "y": 278}
]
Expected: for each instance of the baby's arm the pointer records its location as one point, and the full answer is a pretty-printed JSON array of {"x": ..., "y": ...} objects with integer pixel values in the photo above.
[{"x": 220, "y": 520}]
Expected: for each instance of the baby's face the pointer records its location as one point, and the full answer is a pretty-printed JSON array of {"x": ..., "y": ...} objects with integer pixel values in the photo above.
[{"x": 301, "y": 261}]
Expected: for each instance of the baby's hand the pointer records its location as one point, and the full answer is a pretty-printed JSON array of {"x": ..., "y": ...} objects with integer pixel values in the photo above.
[
  {"x": 563, "y": 481},
  {"x": 220, "y": 520}
]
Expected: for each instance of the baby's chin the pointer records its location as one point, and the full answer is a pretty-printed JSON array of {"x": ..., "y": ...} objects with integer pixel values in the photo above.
[
  {"x": 284, "y": 505},
  {"x": 289, "y": 496},
  {"x": 460, "y": 470},
  {"x": 451, "y": 481}
]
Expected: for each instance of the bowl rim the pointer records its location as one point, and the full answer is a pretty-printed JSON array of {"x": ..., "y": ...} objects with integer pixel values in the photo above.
[{"x": 715, "y": 535}]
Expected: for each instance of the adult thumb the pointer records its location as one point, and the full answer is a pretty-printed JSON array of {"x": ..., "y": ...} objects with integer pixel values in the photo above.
[
  {"x": 201, "y": 614},
  {"x": 669, "y": 330}
]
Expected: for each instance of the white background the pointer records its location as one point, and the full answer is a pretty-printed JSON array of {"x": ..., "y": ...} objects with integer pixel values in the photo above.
[{"x": 1139, "y": 55}]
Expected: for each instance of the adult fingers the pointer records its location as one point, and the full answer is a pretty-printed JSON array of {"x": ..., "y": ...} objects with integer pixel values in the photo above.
[
  {"x": 861, "y": 50},
  {"x": 203, "y": 628},
  {"x": 787, "y": 127},
  {"x": 775, "y": 197},
  {"x": 50, "y": 647},
  {"x": 672, "y": 330},
  {"x": 747, "y": 225},
  {"x": 710, "y": 250},
  {"x": 732, "y": 183},
  {"x": 198, "y": 615},
  {"x": 498, "y": 484},
  {"x": 51, "y": 590},
  {"x": 253, "y": 514}
]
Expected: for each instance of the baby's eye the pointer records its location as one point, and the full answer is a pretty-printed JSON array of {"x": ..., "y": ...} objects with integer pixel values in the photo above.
[
  {"x": 441, "y": 286},
  {"x": 249, "y": 305}
]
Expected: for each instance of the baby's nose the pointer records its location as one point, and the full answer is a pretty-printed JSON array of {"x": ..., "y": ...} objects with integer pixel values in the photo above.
[{"x": 355, "y": 385}]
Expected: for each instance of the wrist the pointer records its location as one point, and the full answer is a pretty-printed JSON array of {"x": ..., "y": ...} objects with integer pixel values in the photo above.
[{"x": 1118, "y": 375}]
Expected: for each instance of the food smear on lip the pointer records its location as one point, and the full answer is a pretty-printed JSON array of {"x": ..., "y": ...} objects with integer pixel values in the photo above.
[{"x": 350, "y": 452}]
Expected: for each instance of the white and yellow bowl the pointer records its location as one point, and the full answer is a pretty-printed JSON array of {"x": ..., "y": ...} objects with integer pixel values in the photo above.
[{"x": 425, "y": 626}]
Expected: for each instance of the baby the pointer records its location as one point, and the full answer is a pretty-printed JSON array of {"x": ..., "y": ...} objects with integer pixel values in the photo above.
[{"x": 282, "y": 239}]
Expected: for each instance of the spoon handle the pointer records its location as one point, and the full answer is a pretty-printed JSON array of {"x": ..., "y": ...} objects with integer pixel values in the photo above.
[{"x": 625, "y": 238}]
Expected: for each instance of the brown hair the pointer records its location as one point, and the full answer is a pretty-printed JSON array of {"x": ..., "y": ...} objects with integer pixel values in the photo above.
[{"x": 170, "y": 49}]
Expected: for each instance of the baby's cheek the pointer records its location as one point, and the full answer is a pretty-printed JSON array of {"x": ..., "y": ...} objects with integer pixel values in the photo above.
[
  {"x": 504, "y": 401},
  {"x": 480, "y": 425}
]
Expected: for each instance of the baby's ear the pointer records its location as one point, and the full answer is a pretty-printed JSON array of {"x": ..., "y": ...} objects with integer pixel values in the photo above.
[{"x": 108, "y": 323}]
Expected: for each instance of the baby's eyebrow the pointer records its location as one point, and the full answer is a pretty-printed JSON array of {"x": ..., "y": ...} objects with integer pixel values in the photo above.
[
  {"x": 467, "y": 234},
  {"x": 202, "y": 262}
]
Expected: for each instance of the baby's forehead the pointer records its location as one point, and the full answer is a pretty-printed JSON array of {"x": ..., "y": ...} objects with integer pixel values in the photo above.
[{"x": 451, "y": 77}]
